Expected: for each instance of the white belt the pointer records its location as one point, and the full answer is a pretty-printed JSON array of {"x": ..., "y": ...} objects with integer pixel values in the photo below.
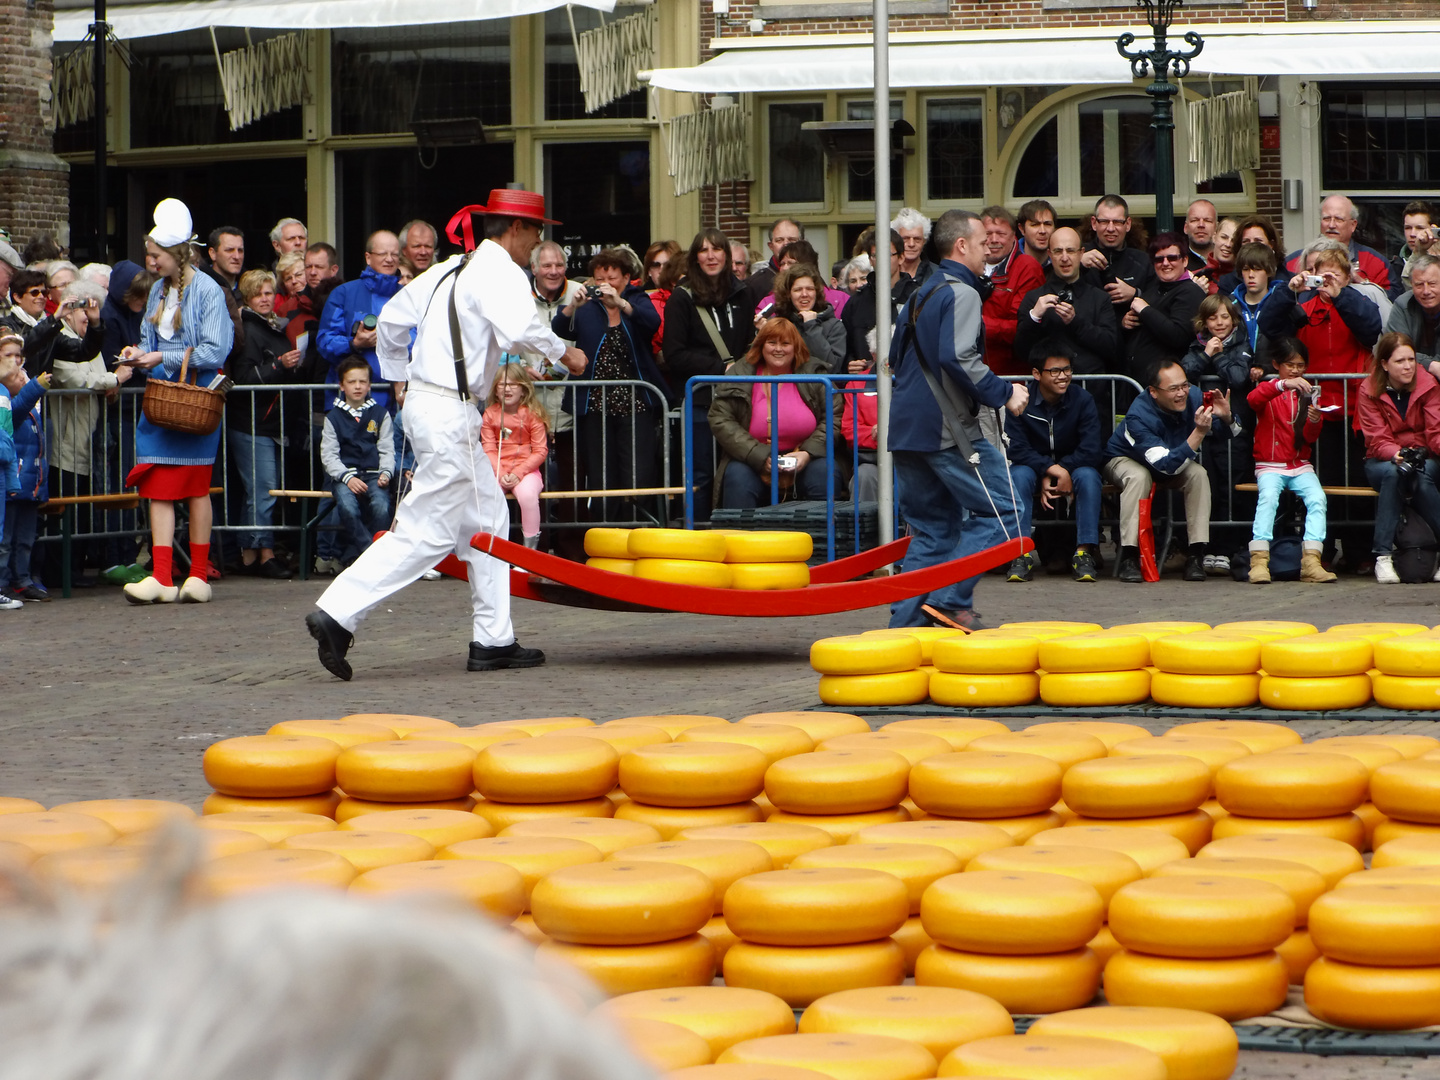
[{"x": 415, "y": 386}]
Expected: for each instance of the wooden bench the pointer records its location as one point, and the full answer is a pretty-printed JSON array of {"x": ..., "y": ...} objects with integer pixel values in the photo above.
[
  {"x": 1357, "y": 492},
  {"x": 307, "y": 522}
]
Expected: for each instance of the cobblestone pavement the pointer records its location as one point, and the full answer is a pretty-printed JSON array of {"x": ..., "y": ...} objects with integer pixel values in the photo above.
[{"x": 105, "y": 700}]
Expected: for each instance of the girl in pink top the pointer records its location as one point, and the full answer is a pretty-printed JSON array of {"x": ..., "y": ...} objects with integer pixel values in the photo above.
[{"x": 512, "y": 433}]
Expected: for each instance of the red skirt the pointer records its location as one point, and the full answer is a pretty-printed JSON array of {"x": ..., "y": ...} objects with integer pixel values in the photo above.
[{"x": 170, "y": 482}]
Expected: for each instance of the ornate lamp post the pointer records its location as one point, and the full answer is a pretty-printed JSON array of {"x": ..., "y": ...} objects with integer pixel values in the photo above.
[{"x": 1157, "y": 63}]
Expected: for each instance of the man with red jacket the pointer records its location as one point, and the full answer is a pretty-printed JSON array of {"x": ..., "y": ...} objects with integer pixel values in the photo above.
[
  {"x": 1011, "y": 274},
  {"x": 1338, "y": 221}
]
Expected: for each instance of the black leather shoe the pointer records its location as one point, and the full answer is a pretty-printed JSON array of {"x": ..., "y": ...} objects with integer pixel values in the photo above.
[
  {"x": 274, "y": 569},
  {"x": 499, "y": 657},
  {"x": 1129, "y": 570},
  {"x": 953, "y": 618},
  {"x": 1194, "y": 568},
  {"x": 335, "y": 642}
]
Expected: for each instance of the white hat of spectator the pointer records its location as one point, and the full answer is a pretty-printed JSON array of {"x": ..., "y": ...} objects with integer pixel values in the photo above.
[
  {"x": 9, "y": 255},
  {"x": 173, "y": 224}
]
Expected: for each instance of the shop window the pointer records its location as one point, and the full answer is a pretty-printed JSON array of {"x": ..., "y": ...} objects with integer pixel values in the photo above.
[
  {"x": 860, "y": 172},
  {"x": 386, "y": 78},
  {"x": 1038, "y": 175},
  {"x": 797, "y": 164},
  {"x": 601, "y": 191},
  {"x": 1117, "y": 146},
  {"x": 1380, "y": 137},
  {"x": 954, "y": 149},
  {"x": 563, "y": 99}
]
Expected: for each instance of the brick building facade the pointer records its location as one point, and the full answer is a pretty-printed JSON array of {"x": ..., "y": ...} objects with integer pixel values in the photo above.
[{"x": 34, "y": 183}]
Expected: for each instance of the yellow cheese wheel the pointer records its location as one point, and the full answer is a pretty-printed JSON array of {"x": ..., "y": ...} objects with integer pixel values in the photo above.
[
  {"x": 859, "y": 654},
  {"x": 1201, "y": 918},
  {"x": 1394, "y": 925},
  {"x": 1056, "y": 625},
  {"x": 551, "y": 768},
  {"x": 1373, "y": 998},
  {"x": 1331, "y": 859},
  {"x": 816, "y": 906},
  {"x": 1105, "y": 871},
  {"x": 1403, "y": 628},
  {"x": 1408, "y": 790},
  {"x": 842, "y": 827},
  {"x": 838, "y": 781},
  {"x": 672, "y": 725},
  {"x": 1144, "y": 786},
  {"x": 1021, "y": 984},
  {"x": 213, "y": 843},
  {"x": 800, "y": 975},
  {"x": 1213, "y": 752},
  {"x": 818, "y": 725},
  {"x": 1193, "y": 1045},
  {"x": 982, "y": 654},
  {"x": 1082, "y": 689},
  {"x": 707, "y": 575},
  {"x": 401, "y": 723},
  {"x": 490, "y": 887},
  {"x": 965, "y": 840},
  {"x": 939, "y": 1018},
  {"x": 502, "y": 815},
  {"x": 894, "y": 688},
  {"x": 607, "y": 543},
  {"x": 1412, "y": 747},
  {"x": 721, "y": 1015},
  {"x": 622, "y": 903},
  {"x": 664, "y": 1047},
  {"x": 606, "y": 834},
  {"x": 768, "y": 547},
  {"x": 1206, "y": 653},
  {"x": 1391, "y": 829},
  {"x": 1291, "y": 785},
  {"x": 917, "y": 865},
  {"x": 926, "y": 635},
  {"x": 1161, "y": 627},
  {"x": 687, "y": 774},
  {"x": 914, "y": 746},
  {"x": 1302, "y": 883},
  {"x": 477, "y": 738},
  {"x": 1012, "y": 912},
  {"x": 1232, "y": 989},
  {"x": 11, "y": 805},
  {"x": 407, "y": 770},
  {"x": 438, "y": 828},
  {"x": 1270, "y": 626},
  {"x": 1194, "y": 829},
  {"x": 272, "y": 825},
  {"x": 612, "y": 566},
  {"x": 254, "y": 871},
  {"x": 1316, "y": 656},
  {"x": 841, "y": 1057},
  {"x": 362, "y": 849},
  {"x": 1065, "y": 748},
  {"x": 782, "y": 841},
  {"x": 628, "y": 969},
  {"x": 1110, "y": 732},
  {"x": 1315, "y": 695},
  {"x": 1415, "y": 656},
  {"x": 1405, "y": 692},
  {"x": 975, "y": 691},
  {"x": 326, "y": 805},
  {"x": 670, "y": 820},
  {"x": 958, "y": 731},
  {"x": 1094, "y": 653},
  {"x": 1254, "y": 735},
  {"x": 1104, "y": 946},
  {"x": 1150, "y": 848},
  {"x": 1426, "y": 874},
  {"x": 1347, "y": 828},
  {"x": 717, "y": 931},
  {"x": 1020, "y": 828},
  {"x": 1205, "y": 691},
  {"x": 536, "y": 726},
  {"x": 1053, "y": 1057},
  {"x": 1419, "y": 849},
  {"x": 761, "y": 577},
  {"x": 128, "y": 816},
  {"x": 271, "y": 766},
  {"x": 1371, "y": 819},
  {"x": 531, "y": 856},
  {"x": 676, "y": 544},
  {"x": 979, "y": 784},
  {"x": 342, "y": 733},
  {"x": 775, "y": 741},
  {"x": 623, "y": 737},
  {"x": 1297, "y": 952},
  {"x": 722, "y": 861},
  {"x": 912, "y": 940},
  {"x": 90, "y": 871}
]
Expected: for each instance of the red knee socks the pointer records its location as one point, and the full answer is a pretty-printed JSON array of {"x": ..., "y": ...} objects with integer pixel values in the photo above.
[
  {"x": 199, "y": 560},
  {"x": 160, "y": 569}
]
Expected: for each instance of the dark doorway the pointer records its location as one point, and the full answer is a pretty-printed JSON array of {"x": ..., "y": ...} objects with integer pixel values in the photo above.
[{"x": 601, "y": 193}]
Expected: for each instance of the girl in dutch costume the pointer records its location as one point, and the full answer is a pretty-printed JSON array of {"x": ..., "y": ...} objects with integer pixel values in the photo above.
[{"x": 186, "y": 310}]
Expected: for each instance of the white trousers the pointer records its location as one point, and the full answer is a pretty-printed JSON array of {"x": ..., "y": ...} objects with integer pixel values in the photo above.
[{"x": 453, "y": 496}]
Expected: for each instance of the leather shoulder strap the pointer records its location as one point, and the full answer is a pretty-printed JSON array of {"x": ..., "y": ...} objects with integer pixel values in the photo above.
[{"x": 708, "y": 321}]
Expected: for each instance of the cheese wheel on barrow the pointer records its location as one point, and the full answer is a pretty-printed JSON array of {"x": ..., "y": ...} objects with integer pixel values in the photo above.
[
  {"x": 768, "y": 547},
  {"x": 271, "y": 766},
  {"x": 685, "y": 544},
  {"x": 687, "y": 774},
  {"x": 608, "y": 543}
]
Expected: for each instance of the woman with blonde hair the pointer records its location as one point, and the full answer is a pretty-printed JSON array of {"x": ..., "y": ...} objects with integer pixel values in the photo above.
[{"x": 186, "y": 313}]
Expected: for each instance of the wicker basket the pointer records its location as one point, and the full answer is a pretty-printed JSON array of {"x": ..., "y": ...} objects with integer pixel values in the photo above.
[{"x": 183, "y": 406}]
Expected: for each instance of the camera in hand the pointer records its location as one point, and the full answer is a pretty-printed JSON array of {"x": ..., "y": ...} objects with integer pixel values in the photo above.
[
  {"x": 369, "y": 322},
  {"x": 1065, "y": 296},
  {"x": 593, "y": 292},
  {"x": 1313, "y": 281},
  {"x": 1410, "y": 466}
]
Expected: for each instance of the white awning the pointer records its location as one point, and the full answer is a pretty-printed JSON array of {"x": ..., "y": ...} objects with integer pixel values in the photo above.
[
  {"x": 775, "y": 64},
  {"x": 146, "y": 20}
]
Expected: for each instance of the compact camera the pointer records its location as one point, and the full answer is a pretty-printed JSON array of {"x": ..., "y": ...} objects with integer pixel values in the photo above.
[
  {"x": 1313, "y": 281},
  {"x": 593, "y": 292},
  {"x": 788, "y": 463},
  {"x": 1066, "y": 296}
]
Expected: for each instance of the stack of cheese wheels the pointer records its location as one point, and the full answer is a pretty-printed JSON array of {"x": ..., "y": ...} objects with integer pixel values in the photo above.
[
  {"x": 1407, "y": 793},
  {"x": 627, "y": 925},
  {"x": 870, "y": 670},
  {"x": 545, "y": 773},
  {"x": 939, "y": 1018},
  {"x": 1200, "y": 942},
  {"x": 1194, "y": 1045},
  {"x": 807, "y": 932},
  {"x": 1316, "y": 672},
  {"x": 1290, "y": 791},
  {"x": 840, "y": 791},
  {"x": 609, "y": 549},
  {"x": 691, "y": 784},
  {"x": 1095, "y": 669},
  {"x": 1407, "y": 671},
  {"x": 768, "y": 560},
  {"x": 245, "y": 770},
  {"x": 1011, "y": 790},
  {"x": 986, "y": 669},
  {"x": 1019, "y": 937},
  {"x": 1158, "y": 791},
  {"x": 679, "y": 557},
  {"x": 1380, "y": 955},
  {"x": 1209, "y": 669}
]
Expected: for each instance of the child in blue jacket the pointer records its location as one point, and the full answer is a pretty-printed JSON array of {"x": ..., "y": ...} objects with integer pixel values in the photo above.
[{"x": 25, "y": 475}]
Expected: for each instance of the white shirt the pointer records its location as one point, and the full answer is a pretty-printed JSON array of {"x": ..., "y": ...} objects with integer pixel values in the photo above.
[
  {"x": 171, "y": 308},
  {"x": 497, "y": 315}
]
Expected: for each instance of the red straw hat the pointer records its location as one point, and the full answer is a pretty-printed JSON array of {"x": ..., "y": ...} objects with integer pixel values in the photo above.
[{"x": 504, "y": 202}]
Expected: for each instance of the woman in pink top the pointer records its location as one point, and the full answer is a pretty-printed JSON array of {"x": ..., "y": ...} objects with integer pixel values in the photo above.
[
  {"x": 512, "y": 433},
  {"x": 740, "y": 418}
]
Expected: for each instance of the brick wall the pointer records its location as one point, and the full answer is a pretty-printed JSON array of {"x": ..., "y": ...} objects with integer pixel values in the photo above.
[{"x": 34, "y": 183}]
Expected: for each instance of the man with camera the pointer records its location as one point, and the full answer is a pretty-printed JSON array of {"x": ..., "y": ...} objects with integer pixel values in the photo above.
[
  {"x": 1069, "y": 308},
  {"x": 349, "y": 322},
  {"x": 1110, "y": 260}
]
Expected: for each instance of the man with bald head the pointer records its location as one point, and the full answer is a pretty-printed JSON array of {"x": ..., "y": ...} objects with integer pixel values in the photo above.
[
  {"x": 347, "y": 325},
  {"x": 1070, "y": 308},
  {"x": 1338, "y": 220}
]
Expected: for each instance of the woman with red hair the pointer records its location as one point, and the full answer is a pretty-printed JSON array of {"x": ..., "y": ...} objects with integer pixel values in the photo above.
[{"x": 740, "y": 418}]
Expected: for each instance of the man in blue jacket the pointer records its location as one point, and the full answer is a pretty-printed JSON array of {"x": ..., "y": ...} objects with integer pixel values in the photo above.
[
  {"x": 1159, "y": 442},
  {"x": 943, "y": 465},
  {"x": 343, "y": 328},
  {"x": 1055, "y": 443}
]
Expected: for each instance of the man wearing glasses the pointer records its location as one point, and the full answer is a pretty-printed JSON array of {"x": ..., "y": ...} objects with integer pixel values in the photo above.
[
  {"x": 1110, "y": 261},
  {"x": 348, "y": 323},
  {"x": 1158, "y": 442}
]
